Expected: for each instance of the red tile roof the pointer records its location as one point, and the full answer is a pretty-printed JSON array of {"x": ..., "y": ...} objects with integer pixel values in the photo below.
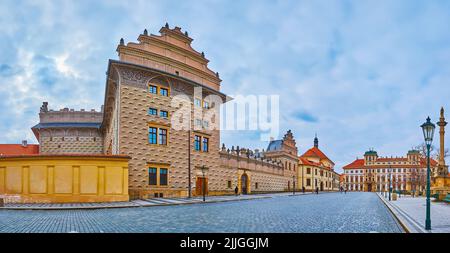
[
  {"x": 65, "y": 156},
  {"x": 18, "y": 149},
  {"x": 308, "y": 162},
  {"x": 315, "y": 152},
  {"x": 357, "y": 164}
]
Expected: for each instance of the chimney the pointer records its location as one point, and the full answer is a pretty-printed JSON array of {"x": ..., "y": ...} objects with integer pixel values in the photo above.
[{"x": 24, "y": 143}]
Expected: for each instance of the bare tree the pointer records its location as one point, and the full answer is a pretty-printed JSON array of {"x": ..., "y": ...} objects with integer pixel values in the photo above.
[
  {"x": 438, "y": 154},
  {"x": 422, "y": 148}
]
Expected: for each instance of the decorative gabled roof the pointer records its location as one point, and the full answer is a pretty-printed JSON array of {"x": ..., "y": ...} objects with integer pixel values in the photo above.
[
  {"x": 18, "y": 149},
  {"x": 316, "y": 152}
]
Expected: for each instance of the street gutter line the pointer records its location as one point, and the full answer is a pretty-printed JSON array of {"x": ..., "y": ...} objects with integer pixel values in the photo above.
[{"x": 408, "y": 223}]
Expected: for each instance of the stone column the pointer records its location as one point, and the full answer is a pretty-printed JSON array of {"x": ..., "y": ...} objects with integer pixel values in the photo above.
[{"x": 442, "y": 169}]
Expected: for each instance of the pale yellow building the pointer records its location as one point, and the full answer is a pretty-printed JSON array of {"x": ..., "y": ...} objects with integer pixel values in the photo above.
[{"x": 316, "y": 171}]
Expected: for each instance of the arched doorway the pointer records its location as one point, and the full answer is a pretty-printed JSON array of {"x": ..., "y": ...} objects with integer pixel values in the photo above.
[{"x": 244, "y": 184}]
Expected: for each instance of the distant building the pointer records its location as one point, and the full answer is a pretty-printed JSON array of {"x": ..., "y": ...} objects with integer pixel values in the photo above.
[
  {"x": 375, "y": 174},
  {"x": 316, "y": 170}
]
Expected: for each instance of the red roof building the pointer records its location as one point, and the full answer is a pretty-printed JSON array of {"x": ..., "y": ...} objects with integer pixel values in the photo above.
[
  {"x": 316, "y": 170},
  {"x": 18, "y": 149},
  {"x": 373, "y": 173}
]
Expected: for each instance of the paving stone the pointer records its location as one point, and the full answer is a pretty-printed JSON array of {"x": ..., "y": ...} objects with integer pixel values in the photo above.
[{"x": 331, "y": 212}]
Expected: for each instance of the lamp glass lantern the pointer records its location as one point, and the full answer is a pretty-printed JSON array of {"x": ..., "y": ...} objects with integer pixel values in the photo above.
[{"x": 428, "y": 131}]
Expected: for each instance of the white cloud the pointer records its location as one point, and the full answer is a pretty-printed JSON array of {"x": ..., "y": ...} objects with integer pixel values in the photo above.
[{"x": 369, "y": 71}]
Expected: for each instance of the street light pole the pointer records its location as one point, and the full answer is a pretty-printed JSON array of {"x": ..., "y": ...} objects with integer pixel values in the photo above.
[
  {"x": 189, "y": 164},
  {"x": 293, "y": 184},
  {"x": 428, "y": 132},
  {"x": 390, "y": 181},
  {"x": 428, "y": 218},
  {"x": 204, "y": 183}
]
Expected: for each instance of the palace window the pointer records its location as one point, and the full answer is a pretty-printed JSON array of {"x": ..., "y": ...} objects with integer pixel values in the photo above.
[
  {"x": 198, "y": 122},
  {"x": 153, "y": 89},
  {"x": 152, "y": 133},
  {"x": 256, "y": 185},
  {"x": 163, "y": 114},
  {"x": 205, "y": 144},
  {"x": 308, "y": 182},
  {"x": 162, "y": 136},
  {"x": 164, "y": 92},
  {"x": 205, "y": 124},
  {"x": 205, "y": 104},
  {"x": 197, "y": 144},
  {"x": 229, "y": 184},
  {"x": 163, "y": 176},
  {"x": 152, "y": 111},
  {"x": 152, "y": 178},
  {"x": 308, "y": 170}
]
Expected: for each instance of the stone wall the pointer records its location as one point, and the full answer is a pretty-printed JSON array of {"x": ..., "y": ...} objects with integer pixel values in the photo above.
[{"x": 63, "y": 178}]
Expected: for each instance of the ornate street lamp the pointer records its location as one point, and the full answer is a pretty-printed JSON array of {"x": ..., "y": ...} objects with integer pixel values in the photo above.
[
  {"x": 428, "y": 132},
  {"x": 204, "y": 183}
]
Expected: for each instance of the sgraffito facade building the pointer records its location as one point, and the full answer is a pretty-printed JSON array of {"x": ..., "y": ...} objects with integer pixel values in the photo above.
[{"x": 161, "y": 114}]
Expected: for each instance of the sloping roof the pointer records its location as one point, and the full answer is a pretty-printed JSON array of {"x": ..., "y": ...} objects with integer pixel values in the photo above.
[
  {"x": 316, "y": 152},
  {"x": 18, "y": 149},
  {"x": 357, "y": 164},
  {"x": 67, "y": 125},
  {"x": 275, "y": 145},
  {"x": 308, "y": 162}
]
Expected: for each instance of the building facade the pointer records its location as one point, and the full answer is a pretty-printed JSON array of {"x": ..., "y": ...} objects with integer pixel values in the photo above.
[
  {"x": 316, "y": 170},
  {"x": 379, "y": 174},
  {"x": 161, "y": 111}
]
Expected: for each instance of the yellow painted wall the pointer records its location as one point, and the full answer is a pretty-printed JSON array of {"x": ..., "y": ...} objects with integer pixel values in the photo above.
[{"x": 62, "y": 179}]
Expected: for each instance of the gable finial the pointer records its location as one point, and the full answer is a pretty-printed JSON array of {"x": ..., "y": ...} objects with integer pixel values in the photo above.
[
  {"x": 167, "y": 25},
  {"x": 145, "y": 32}
]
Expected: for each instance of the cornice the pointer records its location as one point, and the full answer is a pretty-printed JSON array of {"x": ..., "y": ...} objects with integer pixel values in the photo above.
[
  {"x": 169, "y": 61},
  {"x": 176, "y": 48}
]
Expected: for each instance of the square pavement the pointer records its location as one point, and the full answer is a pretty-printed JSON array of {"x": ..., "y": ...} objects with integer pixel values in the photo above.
[{"x": 413, "y": 212}]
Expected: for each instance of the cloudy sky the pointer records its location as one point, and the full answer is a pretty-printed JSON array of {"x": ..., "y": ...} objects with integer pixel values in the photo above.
[{"x": 362, "y": 74}]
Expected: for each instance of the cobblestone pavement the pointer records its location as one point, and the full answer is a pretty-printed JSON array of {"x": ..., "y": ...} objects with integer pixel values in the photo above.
[
  {"x": 413, "y": 211},
  {"x": 139, "y": 203},
  {"x": 331, "y": 212}
]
